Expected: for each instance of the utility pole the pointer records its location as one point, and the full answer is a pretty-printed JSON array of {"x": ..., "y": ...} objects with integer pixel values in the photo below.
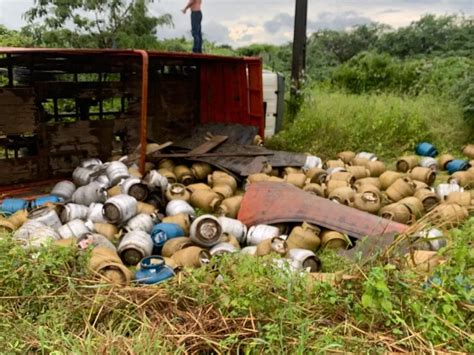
[{"x": 299, "y": 45}]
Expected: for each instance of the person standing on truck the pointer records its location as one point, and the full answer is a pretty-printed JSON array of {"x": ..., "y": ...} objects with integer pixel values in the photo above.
[{"x": 196, "y": 19}]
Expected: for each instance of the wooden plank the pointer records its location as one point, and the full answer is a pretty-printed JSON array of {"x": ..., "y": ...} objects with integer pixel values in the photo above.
[
  {"x": 214, "y": 142},
  {"x": 13, "y": 171}
]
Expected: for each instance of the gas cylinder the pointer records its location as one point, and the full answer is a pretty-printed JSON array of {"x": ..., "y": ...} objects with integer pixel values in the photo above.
[
  {"x": 108, "y": 230},
  {"x": 303, "y": 259},
  {"x": 369, "y": 188},
  {"x": 314, "y": 189},
  {"x": 171, "y": 246},
  {"x": 191, "y": 257},
  {"x": 47, "y": 216},
  {"x": 260, "y": 177},
  {"x": 223, "y": 248},
  {"x": 444, "y": 159},
  {"x": 376, "y": 168},
  {"x": 175, "y": 207},
  {"x": 304, "y": 237},
  {"x": 368, "y": 201},
  {"x": 82, "y": 176},
  {"x": 335, "y": 184},
  {"x": 93, "y": 192},
  {"x": 407, "y": 163},
  {"x": 343, "y": 195},
  {"x": 147, "y": 208},
  {"x": 73, "y": 229},
  {"x": 94, "y": 213},
  {"x": 428, "y": 198},
  {"x": 425, "y": 175},
  {"x": 135, "y": 246},
  {"x": 134, "y": 187},
  {"x": 184, "y": 174},
  {"x": 274, "y": 245},
  {"x": 317, "y": 175},
  {"x": 297, "y": 180},
  {"x": 117, "y": 171},
  {"x": 343, "y": 176},
  {"x": 164, "y": 232},
  {"x": 219, "y": 177},
  {"x": 230, "y": 207},
  {"x": 312, "y": 162},
  {"x": 359, "y": 161},
  {"x": 35, "y": 234},
  {"x": 234, "y": 227},
  {"x": 397, "y": 212},
  {"x": 464, "y": 179},
  {"x": 229, "y": 239},
  {"x": 106, "y": 263},
  {"x": 177, "y": 192},
  {"x": 415, "y": 206},
  {"x": 258, "y": 233},
  {"x": 166, "y": 164},
  {"x": 346, "y": 156},
  {"x": 457, "y": 165},
  {"x": 401, "y": 188},
  {"x": 388, "y": 178},
  {"x": 334, "y": 164},
  {"x": 201, "y": 171},
  {"x": 206, "y": 231},
  {"x": 11, "y": 205},
  {"x": 366, "y": 155},
  {"x": 468, "y": 150},
  {"x": 156, "y": 181},
  {"x": 141, "y": 222},
  {"x": 359, "y": 172},
  {"x": 426, "y": 149},
  {"x": 460, "y": 198},
  {"x": 443, "y": 190},
  {"x": 181, "y": 220},
  {"x": 334, "y": 240},
  {"x": 225, "y": 191},
  {"x": 291, "y": 170},
  {"x": 169, "y": 175},
  {"x": 153, "y": 270},
  {"x": 448, "y": 214},
  {"x": 428, "y": 162},
  {"x": 198, "y": 186},
  {"x": 370, "y": 181},
  {"x": 64, "y": 189},
  {"x": 206, "y": 200},
  {"x": 120, "y": 209},
  {"x": 18, "y": 218}
]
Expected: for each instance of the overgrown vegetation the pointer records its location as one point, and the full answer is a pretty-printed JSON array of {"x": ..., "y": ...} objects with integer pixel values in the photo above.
[
  {"x": 386, "y": 124},
  {"x": 239, "y": 302}
]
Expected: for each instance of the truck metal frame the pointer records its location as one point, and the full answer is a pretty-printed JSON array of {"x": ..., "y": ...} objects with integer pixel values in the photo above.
[{"x": 59, "y": 106}]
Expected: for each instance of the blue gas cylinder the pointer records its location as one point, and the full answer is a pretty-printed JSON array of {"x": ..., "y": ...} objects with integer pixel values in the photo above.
[
  {"x": 12, "y": 205},
  {"x": 153, "y": 270},
  {"x": 162, "y": 232},
  {"x": 457, "y": 165},
  {"x": 426, "y": 150},
  {"x": 40, "y": 201}
]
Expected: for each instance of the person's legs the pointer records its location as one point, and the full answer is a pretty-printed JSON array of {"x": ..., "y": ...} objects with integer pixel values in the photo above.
[{"x": 196, "y": 19}]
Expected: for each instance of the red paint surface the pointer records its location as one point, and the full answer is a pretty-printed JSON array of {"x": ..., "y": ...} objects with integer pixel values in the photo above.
[{"x": 268, "y": 203}]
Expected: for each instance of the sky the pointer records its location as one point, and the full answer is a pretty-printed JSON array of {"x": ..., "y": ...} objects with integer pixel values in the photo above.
[{"x": 242, "y": 22}]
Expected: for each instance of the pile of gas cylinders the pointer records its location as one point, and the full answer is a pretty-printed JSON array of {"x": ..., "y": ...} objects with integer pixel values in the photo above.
[{"x": 181, "y": 214}]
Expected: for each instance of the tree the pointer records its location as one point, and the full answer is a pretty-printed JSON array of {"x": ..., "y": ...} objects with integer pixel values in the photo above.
[
  {"x": 12, "y": 38},
  {"x": 94, "y": 23}
]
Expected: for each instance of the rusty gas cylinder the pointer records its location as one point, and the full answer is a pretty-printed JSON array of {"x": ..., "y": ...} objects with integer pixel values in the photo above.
[
  {"x": 460, "y": 198},
  {"x": 314, "y": 189},
  {"x": 184, "y": 174},
  {"x": 198, "y": 186},
  {"x": 229, "y": 207},
  {"x": 346, "y": 156},
  {"x": 108, "y": 230},
  {"x": 343, "y": 176},
  {"x": 220, "y": 177},
  {"x": 317, "y": 175},
  {"x": 368, "y": 201},
  {"x": 201, "y": 170},
  {"x": 274, "y": 245},
  {"x": 173, "y": 245},
  {"x": 428, "y": 198},
  {"x": 166, "y": 164},
  {"x": 468, "y": 150},
  {"x": 225, "y": 191},
  {"x": 147, "y": 208},
  {"x": 407, "y": 163},
  {"x": 376, "y": 168},
  {"x": 335, "y": 184},
  {"x": 371, "y": 181},
  {"x": 343, "y": 195},
  {"x": 444, "y": 159},
  {"x": 388, "y": 178},
  {"x": 334, "y": 164},
  {"x": 177, "y": 192},
  {"x": 297, "y": 180},
  {"x": 401, "y": 188},
  {"x": 397, "y": 212},
  {"x": 359, "y": 172},
  {"x": 425, "y": 175},
  {"x": 230, "y": 239},
  {"x": 260, "y": 177},
  {"x": 106, "y": 263},
  {"x": 192, "y": 257},
  {"x": 448, "y": 215},
  {"x": 183, "y": 220},
  {"x": 169, "y": 175},
  {"x": 206, "y": 200},
  {"x": 334, "y": 240},
  {"x": 305, "y": 236},
  {"x": 415, "y": 206},
  {"x": 18, "y": 218},
  {"x": 464, "y": 179}
]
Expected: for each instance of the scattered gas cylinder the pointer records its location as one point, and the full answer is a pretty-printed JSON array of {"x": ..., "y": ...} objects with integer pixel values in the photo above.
[
  {"x": 464, "y": 179},
  {"x": 177, "y": 192},
  {"x": 346, "y": 156},
  {"x": 468, "y": 150},
  {"x": 105, "y": 263},
  {"x": 305, "y": 236},
  {"x": 223, "y": 248},
  {"x": 162, "y": 233},
  {"x": 135, "y": 246},
  {"x": 460, "y": 198},
  {"x": 397, "y": 212},
  {"x": 153, "y": 270},
  {"x": 182, "y": 220},
  {"x": 428, "y": 198},
  {"x": 426, "y": 150},
  {"x": 428, "y": 162},
  {"x": 119, "y": 209},
  {"x": 304, "y": 259},
  {"x": 191, "y": 257},
  {"x": 234, "y": 227},
  {"x": 457, "y": 165},
  {"x": 47, "y": 216},
  {"x": 206, "y": 231},
  {"x": 334, "y": 240},
  {"x": 401, "y": 188},
  {"x": 425, "y": 175},
  {"x": 183, "y": 174},
  {"x": 343, "y": 195},
  {"x": 261, "y": 232},
  {"x": 376, "y": 168},
  {"x": 171, "y": 246},
  {"x": 275, "y": 245},
  {"x": 64, "y": 189},
  {"x": 175, "y": 207},
  {"x": 444, "y": 159},
  {"x": 201, "y": 171},
  {"x": 134, "y": 187},
  {"x": 317, "y": 175},
  {"x": 229, "y": 207},
  {"x": 407, "y": 163}
]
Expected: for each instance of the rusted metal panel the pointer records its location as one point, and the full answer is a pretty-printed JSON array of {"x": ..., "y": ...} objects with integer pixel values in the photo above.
[
  {"x": 18, "y": 111},
  {"x": 268, "y": 203}
]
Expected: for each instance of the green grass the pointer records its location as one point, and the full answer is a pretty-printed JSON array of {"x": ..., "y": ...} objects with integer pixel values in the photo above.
[
  {"x": 386, "y": 124},
  {"x": 49, "y": 305}
]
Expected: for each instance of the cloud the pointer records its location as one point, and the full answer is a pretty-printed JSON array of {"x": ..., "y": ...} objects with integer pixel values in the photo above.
[
  {"x": 215, "y": 32},
  {"x": 338, "y": 21},
  {"x": 279, "y": 23}
]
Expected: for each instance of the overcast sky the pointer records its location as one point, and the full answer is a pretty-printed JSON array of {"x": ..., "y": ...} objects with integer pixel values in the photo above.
[{"x": 241, "y": 22}]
